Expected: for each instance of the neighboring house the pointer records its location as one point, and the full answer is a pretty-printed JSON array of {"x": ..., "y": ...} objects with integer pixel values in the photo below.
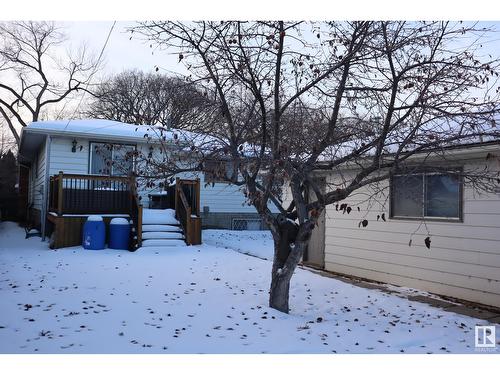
[
  {"x": 463, "y": 225},
  {"x": 75, "y": 148}
]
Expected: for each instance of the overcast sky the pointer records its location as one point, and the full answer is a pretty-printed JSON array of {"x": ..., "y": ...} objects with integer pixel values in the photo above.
[{"x": 121, "y": 53}]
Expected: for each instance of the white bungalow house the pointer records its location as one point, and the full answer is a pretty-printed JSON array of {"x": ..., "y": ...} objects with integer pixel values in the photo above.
[
  {"x": 65, "y": 154},
  {"x": 462, "y": 224}
]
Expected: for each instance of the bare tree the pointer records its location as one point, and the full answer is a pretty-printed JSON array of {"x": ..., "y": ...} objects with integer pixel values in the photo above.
[
  {"x": 148, "y": 98},
  {"x": 34, "y": 75},
  {"x": 7, "y": 141},
  {"x": 298, "y": 98}
]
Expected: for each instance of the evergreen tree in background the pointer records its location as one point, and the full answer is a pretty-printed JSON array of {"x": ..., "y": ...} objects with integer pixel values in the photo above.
[{"x": 8, "y": 192}]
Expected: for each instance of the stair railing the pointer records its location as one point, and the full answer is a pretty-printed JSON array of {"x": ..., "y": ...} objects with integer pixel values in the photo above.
[{"x": 187, "y": 211}]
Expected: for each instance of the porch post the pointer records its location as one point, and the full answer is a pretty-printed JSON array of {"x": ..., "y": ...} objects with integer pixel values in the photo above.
[
  {"x": 60, "y": 194},
  {"x": 176, "y": 195},
  {"x": 197, "y": 197}
]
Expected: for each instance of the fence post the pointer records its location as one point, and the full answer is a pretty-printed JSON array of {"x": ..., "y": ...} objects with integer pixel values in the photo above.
[
  {"x": 189, "y": 240},
  {"x": 51, "y": 193},
  {"x": 60, "y": 194}
]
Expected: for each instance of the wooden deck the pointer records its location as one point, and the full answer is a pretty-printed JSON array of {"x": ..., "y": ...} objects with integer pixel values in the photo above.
[{"x": 73, "y": 197}]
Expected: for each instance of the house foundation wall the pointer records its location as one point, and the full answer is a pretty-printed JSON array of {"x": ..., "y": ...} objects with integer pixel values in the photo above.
[
  {"x": 35, "y": 218},
  {"x": 229, "y": 220}
]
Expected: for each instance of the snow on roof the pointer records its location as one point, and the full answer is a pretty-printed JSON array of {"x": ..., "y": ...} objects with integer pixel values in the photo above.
[{"x": 98, "y": 127}]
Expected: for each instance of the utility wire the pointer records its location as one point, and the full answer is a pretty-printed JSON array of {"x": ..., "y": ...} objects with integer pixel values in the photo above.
[{"x": 93, "y": 72}]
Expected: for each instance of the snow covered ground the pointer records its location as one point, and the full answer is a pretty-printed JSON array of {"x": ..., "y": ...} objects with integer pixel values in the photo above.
[
  {"x": 258, "y": 243},
  {"x": 200, "y": 299},
  {"x": 155, "y": 217}
]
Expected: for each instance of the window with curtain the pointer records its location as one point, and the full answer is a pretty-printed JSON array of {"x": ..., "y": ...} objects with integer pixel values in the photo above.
[
  {"x": 426, "y": 195},
  {"x": 111, "y": 159}
]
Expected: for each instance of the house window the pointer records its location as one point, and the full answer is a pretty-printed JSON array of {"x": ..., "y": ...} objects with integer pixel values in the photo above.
[
  {"x": 218, "y": 171},
  {"x": 426, "y": 195},
  {"x": 111, "y": 159}
]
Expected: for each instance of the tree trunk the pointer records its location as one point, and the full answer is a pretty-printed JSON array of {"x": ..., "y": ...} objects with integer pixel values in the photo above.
[
  {"x": 279, "y": 293},
  {"x": 286, "y": 259},
  {"x": 281, "y": 276}
]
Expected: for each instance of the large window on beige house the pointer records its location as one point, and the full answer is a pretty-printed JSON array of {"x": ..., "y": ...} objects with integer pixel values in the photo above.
[{"x": 426, "y": 195}]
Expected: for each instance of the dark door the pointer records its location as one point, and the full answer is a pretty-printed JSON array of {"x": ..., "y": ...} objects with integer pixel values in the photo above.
[
  {"x": 24, "y": 181},
  {"x": 315, "y": 254}
]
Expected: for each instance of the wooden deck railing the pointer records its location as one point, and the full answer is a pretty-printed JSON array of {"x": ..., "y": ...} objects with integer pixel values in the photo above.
[
  {"x": 187, "y": 209},
  {"x": 83, "y": 194}
]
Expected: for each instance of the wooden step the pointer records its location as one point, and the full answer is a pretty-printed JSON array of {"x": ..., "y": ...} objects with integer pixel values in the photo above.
[
  {"x": 162, "y": 243},
  {"x": 160, "y": 228},
  {"x": 162, "y": 235}
]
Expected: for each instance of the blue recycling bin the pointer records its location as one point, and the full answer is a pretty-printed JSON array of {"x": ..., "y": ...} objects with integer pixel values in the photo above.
[
  {"x": 119, "y": 234},
  {"x": 94, "y": 233}
]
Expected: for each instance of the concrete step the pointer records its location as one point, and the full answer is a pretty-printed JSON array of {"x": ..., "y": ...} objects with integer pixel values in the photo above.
[
  {"x": 160, "y": 228},
  {"x": 162, "y": 243},
  {"x": 162, "y": 235}
]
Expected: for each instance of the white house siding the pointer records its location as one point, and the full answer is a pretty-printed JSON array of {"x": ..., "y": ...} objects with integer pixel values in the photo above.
[
  {"x": 463, "y": 261},
  {"x": 62, "y": 159},
  {"x": 221, "y": 198},
  {"x": 37, "y": 180}
]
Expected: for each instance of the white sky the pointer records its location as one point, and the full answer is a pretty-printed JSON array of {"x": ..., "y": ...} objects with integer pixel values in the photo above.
[
  {"x": 253, "y": 9},
  {"x": 96, "y": 18},
  {"x": 121, "y": 53}
]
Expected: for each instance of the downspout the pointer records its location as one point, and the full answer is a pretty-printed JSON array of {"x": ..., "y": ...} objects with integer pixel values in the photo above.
[{"x": 45, "y": 197}]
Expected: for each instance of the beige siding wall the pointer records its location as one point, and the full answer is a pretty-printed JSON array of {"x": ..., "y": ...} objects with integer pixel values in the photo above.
[{"x": 463, "y": 261}]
